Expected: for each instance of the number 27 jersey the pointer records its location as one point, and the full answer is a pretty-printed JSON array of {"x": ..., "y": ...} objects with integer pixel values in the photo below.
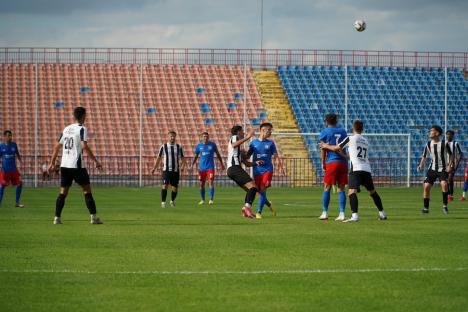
[
  {"x": 358, "y": 149},
  {"x": 72, "y": 155}
]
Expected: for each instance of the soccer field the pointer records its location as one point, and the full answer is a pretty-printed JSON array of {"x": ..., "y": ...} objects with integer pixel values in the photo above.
[{"x": 209, "y": 258}]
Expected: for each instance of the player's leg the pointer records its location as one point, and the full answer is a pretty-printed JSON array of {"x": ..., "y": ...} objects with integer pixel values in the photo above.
[
  {"x": 249, "y": 198},
  {"x": 202, "y": 179},
  {"x": 329, "y": 180},
  {"x": 16, "y": 180},
  {"x": 2, "y": 187},
  {"x": 82, "y": 179},
  {"x": 342, "y": 180},
  {"x": 164, "y": 188},
  {"x": 211, "y": 177},
  {"x": 445, "y": 191},
  {"x": 354, "y": 183},
  {"x": 174, "y": 181},
  {"x": 450, "y": 185},
  {"x": 66, "y": 180},
  {"x": 369, "y": 185},
  {"x": 431, "y": 176},
  {"x": 263, "y": 182},
  {"x": 465, "y": 189}
]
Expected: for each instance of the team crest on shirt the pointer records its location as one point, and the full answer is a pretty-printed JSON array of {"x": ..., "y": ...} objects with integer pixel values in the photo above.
[
  {"x": 267, "y": 147},
  {"x": 210, "y": 148}
]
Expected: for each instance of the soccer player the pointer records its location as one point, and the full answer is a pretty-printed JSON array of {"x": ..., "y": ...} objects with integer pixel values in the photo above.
[
  {"x": 457, "y": 157},
  {"x": 335, "y": 166},
  {"x": 465, "y": 185},
  {"x": 234, "y": 168},
  {"x": 358, "y": 149},
  {"x": 439, "y": 167},
  {"x": 173, "y": 154},
  {"x": 263, "y": 150},
  {"x": 9, "y": 174},
  {"x": 73, "y": 141},
  {"x": 206, "y": 168}
]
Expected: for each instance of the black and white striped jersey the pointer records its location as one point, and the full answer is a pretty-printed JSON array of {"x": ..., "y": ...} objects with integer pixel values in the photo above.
[
  {"x": 440, "y": 153},
  {"x": 71, "y": 137},
  {"x": 456, "y": 150},
  {"x": 172, "y": 154},
  {"x": 234, "y": 154}
]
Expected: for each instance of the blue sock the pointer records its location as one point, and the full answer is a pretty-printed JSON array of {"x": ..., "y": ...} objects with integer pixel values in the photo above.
[
  {"x": 325, "y": 200},
  {"x": 261, "y": 202},
  {"x": 465, "y": 188},
  {"x": 342, "y": 201},
  {"x": 202, "y": 193},
  {"x": 19, "y": 188},
  {"x": 2, "y": 188},
  {"x": 211, "y": 193}
]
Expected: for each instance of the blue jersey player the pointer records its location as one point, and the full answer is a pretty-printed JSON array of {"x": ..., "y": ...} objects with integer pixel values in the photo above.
[
  {"x": 9, "y": 174},
  {"x": 206, "y": 150}
]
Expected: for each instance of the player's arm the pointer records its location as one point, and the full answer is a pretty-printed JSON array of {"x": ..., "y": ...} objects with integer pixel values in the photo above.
[
  {"x": 220, "y": 159},
  {"x": 423, "y": 158},
  {"x": 326, "y": 146},
  {"x": 245, "y": 139},
  {"x": 450, "y": 160},
  {"x": 157, "y": 160},
  {"x": 85, "y": 147},
  {"x": 459, "y": 157},
  {"x": 182, "y": 160},
  {"x": 280, "y": 163},
  {"x": 195, "y": 159},
  {"x": 56, "y": 151},
  {"x": 18, "y": 154}
]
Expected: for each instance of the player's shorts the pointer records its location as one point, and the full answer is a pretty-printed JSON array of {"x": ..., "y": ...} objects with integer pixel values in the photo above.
[
  {"x": 238, "y": 175},
  {"x": 432, "y": 176},
  {"x": 171, "y": 177},
  {"x": 263, "y": 180},
  {"x": 358, "y": 178},
  {"x": 336, "y": 173},
  {"x": 68, "y": 175},
  {"x": 206, "y": 175},
  {"x": 11, "y": 177}
]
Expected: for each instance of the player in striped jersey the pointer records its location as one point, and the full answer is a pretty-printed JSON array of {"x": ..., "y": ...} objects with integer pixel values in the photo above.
[
  {"x": 465, "y": 185},
  {"x": 8, "y": 171},
  {"x": 206, "y": 168},
  {"x": 358, "y": 148},
  {"x": 174, "y": 163},
  {"x": 457, "y": 158},
  {"x": 439, "y": 167},
  {"x": 234, "y": 167},
  {"x": 73, "y": 141}
]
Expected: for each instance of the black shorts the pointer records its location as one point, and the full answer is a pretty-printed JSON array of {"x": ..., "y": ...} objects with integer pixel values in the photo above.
[
  {"x": 171, "y": 177},
  {"x": 79, "y": 175},
  {"x": 358, "y": 178},
  {"x": 238, "y": 175},
  {"x": 432, "y": 176}
]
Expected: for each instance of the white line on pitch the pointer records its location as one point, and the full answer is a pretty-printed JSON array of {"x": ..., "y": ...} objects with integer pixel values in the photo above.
[{"x": 266, "y": 272}]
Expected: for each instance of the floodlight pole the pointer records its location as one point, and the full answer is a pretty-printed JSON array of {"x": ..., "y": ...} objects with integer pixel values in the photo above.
[
  {"x": 244, "y": 97},
  {"x": 140, "y": 173},
  {"x": 408, "y": 165},
  {"x": 346, "y": 98},
  {"x": 36, "y": 126},
  {"x": 445, "y": 100}
]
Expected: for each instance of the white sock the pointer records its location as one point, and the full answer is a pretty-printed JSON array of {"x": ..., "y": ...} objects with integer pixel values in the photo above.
[{"x": 354, "y": 215}]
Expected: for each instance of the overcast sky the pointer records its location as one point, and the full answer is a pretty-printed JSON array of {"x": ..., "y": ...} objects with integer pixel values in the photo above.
[{"x": 415, "y": 25}]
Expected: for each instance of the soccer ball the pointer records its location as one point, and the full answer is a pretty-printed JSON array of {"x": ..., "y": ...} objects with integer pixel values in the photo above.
[{"x": 360, "y": 25}]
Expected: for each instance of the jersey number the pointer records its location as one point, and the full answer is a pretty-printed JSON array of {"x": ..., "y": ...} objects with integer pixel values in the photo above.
[
  {"x": 68, "y": 144},
  {"x": 360, "y": 151},
  {"x": 337, "y": 138}
]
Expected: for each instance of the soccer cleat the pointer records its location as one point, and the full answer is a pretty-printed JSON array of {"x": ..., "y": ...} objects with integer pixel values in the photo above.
[
  {"x": 341, "y": 217},
  {"x": 17, "y": 205},
  {"x": 258, "y": 215},
  {"x": 57, "y": 220},
  {"x": 445, "y": 210},
  {"x": 272, "y": 210},
  {"x": 247, "y": 213},
  {"x": 96, "y": 220},
  {"x": 211, "y": 202},
  {"x": 425, "y": 210},
  {"x": 450, "y": 198},
  {"x": 352, "y": 219},
  {"x": 324, "y": 216},
  {"x": 172, "y": 204},
  {"x": 163, "y": 205},
  {"x": 382, "y": 216},
  {"x": 201, "y": 202},
  {"x": 462, "y": 198}
]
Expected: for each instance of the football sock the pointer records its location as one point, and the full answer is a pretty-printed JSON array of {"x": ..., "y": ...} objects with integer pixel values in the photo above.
[
  {"x": 173, "y": 195},
  {"x": 19, "y": 188},
  {"x": 211, "y": 193},
  {"x": 202, "y": 193},
  {"x": 59, "y": 205},
  {"x": 325, "y": 200},
  {"x": 450, "y": 187},
  {"x": 426, "y": 203},
  {"x": 465, "y": 187},
  {"x": 342, "y": 201},
  {"x": 445, "y": 198},
  {"x": 163, "y": 195},
  {"x": 377, "y": 201},
  {"x": 90, "y": 204},
  {"x": 353, "y": 202},
  {"x": 2, "y": 188},
  {"x": 261, "y": 201},
  {"x": 250, "y": 196}
]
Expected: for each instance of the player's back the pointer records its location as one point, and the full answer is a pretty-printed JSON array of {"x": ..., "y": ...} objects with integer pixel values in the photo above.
[
  {"x": 358, "y": 148},
  {"x": 333, "y": 136},
  {"x": 72, "y": 155}
]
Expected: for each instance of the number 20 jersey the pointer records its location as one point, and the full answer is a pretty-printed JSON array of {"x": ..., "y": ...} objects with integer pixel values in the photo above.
[
  {"x": 72, "y": 155},
  {"x": 358, "y": 149}
]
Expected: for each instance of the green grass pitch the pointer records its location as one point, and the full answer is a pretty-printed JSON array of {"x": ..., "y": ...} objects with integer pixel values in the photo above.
[{"x": 209, "y": 258}]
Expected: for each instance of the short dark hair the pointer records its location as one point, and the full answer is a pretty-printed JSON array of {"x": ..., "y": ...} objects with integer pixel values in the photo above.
[
  {"x": 438, "y": 129},
  {"x": 79, "y": 112},
  {"x": 203, "y": 133},
  {"x": 331, "y": 119},
  {"x": 236, "y": 129},
  {"x": 450, "y": 132},
  {"x": 172, "y": 132},
  {"x": 7, "y": 132},
  {"x": 358, "y": 125},
  {"x": 266, "y": 124}
]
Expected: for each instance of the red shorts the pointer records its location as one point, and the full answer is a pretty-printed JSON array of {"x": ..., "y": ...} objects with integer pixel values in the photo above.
[
  {"x": 206, "y": 174},
  {"x": 263, "y": 180},
  {"x": 466, "y": 172},
  {"x": 12, "y": 177},
  {"x": 336, "y": 173}
]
